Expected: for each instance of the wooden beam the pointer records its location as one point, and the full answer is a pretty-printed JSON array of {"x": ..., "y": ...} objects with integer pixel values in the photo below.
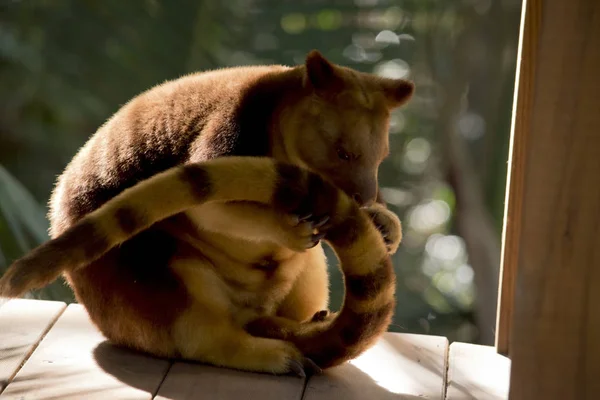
[
  {"x": 521, "y": 121},
  {"x": 555, "y": 331}
]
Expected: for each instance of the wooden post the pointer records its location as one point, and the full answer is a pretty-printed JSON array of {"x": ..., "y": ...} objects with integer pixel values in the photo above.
[
  {"x": 521, "y": 121},
  {"x": 555, "y": 329}
]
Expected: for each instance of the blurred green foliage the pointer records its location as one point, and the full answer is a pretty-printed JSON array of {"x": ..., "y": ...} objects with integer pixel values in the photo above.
[
  {"x": 67, "y": 65},
  {"x": 23, "y": 226}
]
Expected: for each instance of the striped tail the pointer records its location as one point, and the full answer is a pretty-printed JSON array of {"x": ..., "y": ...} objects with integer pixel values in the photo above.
[
  {"x": 369, "y": 276},
  {"x": 369, "y": 300},
  {"x": 136, "y": 209}
]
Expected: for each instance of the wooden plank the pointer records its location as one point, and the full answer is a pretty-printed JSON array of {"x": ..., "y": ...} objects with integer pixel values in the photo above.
[
  {"x": 477, "y": 373},
  {"x": 556, "y": 323},
  {"x": 399, "y": 366},
  {"x": 74, "y": 362},
  {"x": 23, "y": 323},
  {"x": 195, "y": 381},
  {"x": 513, "y": 208}
]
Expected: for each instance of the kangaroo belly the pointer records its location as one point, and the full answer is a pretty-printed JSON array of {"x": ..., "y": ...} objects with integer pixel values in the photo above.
[
  {"x": 135, "y": 293},
  {"x": 254, "y": 277}
]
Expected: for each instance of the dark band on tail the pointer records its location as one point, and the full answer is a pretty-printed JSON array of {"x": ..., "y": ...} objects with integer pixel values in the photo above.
[
  {"x": 85, "y": 236},
  {"x": 288, "y": 188},
  {"x": 369, "y": 299},
  {"x": 366, "y": 287},
  {"x": 198, "y": 180},
  {"x": 351, "y": 335},
  {"x": 348, "y": 231},
  {"x": 300, "y": 192},
  {"x": 128, "y": 219}
]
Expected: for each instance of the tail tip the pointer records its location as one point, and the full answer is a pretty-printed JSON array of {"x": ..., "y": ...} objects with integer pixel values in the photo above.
[
  {"x": 8, "y": 288},
  {"x": 18, "y": 279}
]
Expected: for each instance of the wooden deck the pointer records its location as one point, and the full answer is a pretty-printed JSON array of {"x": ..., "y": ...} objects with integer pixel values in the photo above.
[{"x": 51, "y": 351}]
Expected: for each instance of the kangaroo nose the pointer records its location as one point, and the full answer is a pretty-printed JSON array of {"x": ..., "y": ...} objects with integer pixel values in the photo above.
[{"x": 357, "y": 198}]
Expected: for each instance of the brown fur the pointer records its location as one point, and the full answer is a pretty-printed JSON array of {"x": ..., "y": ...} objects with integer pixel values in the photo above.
[{"x": 176, "y": 261}]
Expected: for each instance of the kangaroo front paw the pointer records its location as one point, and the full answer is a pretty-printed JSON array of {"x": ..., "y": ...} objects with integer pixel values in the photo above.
[
  {"x": 306, "y": 196},
  {"x": 323, "y": 315},
  {"x": 308, "y": 204},
  {"x": 300, "y": 233},
  {"x": 388, "y": 224}
]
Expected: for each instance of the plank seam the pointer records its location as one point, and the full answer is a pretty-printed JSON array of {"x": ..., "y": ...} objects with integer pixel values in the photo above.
[
  {"x": 162, "y": 381},
  {"x": 305, "y": 386},
  {"x": 4, "y": 385},
  {"x": 446, "y": 382}
]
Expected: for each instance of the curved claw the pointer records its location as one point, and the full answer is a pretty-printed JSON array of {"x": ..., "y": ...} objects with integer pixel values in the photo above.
[
  {"x": 304, "y": 368},
  {"x": 321, "y": 221},
  {"x": 315, "y": 221},
  {"x": 296, "y": 369},
  {"x": 311, "y": 367},
  {"x": 304, "y": 217}
]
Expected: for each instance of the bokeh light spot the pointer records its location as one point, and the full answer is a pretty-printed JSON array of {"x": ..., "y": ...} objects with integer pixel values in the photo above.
[{"x": 294, "y": 23}]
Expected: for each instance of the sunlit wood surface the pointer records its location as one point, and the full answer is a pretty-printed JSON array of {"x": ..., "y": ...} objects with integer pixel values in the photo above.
[{"x": 50, "y": 351}]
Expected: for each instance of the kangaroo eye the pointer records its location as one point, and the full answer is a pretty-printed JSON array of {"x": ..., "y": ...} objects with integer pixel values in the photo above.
[{"x": 343, "y": 155}]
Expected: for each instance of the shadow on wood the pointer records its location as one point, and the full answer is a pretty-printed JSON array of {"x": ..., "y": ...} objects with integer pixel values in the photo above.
[
  {"x": 128, "y": 366},
  {"x": 188, "y": 380}
]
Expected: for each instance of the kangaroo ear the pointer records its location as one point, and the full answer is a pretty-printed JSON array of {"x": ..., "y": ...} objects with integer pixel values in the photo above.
[
  {"x": 397, "y": 91},
  {"x": 320, "y": 73}
]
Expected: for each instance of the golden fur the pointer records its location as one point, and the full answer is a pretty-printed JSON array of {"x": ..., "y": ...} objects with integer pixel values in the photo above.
[{"x": 179, "y": 247}]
